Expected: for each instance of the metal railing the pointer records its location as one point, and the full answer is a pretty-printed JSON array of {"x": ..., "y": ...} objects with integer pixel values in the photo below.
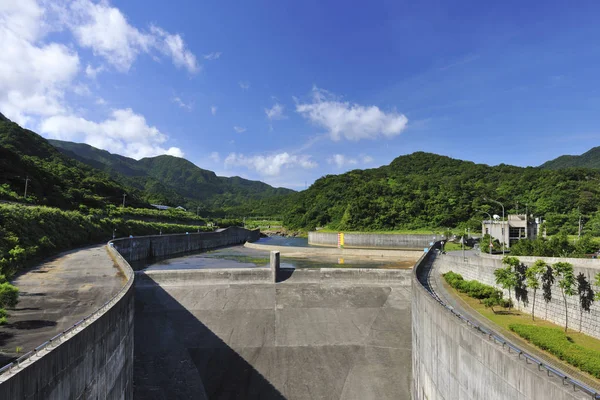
[
  {"x": 497, "y": 339},
  {"x": 76, "y": 327}
]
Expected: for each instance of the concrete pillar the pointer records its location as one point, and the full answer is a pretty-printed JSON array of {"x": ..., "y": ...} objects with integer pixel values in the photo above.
[{"x": 275, "y": 265}]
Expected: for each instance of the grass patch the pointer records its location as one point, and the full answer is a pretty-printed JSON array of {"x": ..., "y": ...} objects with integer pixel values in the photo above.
[
  {"x": 556, "y": 342},
  {"x": 450, "y": 246}
]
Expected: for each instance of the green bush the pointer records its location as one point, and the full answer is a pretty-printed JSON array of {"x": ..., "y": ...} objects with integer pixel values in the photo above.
[
  {"x": 556, "y": 341},
  {"x": 488, "y": 295}
]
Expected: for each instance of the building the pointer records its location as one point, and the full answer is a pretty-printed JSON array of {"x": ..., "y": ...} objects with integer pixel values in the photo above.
[{"x": 516, "y": 227}]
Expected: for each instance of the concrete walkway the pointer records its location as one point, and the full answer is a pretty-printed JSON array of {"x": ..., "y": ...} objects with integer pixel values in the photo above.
[{"x": 55, "y": 295}]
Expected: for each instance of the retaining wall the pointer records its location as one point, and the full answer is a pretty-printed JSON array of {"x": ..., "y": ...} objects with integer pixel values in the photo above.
[
  {"x": 162, "y": 246},
  {"x": 451, "y": 360},
  {"x": 95, "y": 360},
  {"x": 372, "y": 240},
  {"x": 482, "y": 269}
]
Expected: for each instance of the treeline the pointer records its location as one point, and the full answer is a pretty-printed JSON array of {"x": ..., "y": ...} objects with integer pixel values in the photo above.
[
  {"x": 557, "y": 246},
  {"x": 427, "y": 190}
]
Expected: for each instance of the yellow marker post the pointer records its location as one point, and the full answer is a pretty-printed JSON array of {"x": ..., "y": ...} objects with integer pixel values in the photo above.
[{"x": 340, "y": 240}]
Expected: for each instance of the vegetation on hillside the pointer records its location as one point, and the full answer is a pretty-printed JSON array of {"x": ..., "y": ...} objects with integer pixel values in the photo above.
[
  {"x": 175, "y": 181},
  {"x": 589, "y": 159},
  {"x": 427, "y": 190},
  {"x": 52, "y": 178}
]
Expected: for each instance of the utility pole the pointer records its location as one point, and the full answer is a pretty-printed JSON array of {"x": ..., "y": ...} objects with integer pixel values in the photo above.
[
  {"x": 579, "y": 235},
  {"x": 26, "y": 182},
  {"x": 124, "y": 195}
]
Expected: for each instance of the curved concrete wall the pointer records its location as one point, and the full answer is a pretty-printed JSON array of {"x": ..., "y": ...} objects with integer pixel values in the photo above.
[
  {"x": 147, "y": 247},
  {"x": 94, "y": 361},
  {"x": 451, "y": 360},
  {"x": 371, "y": 240},
  {"x": 482, "y": 269}
]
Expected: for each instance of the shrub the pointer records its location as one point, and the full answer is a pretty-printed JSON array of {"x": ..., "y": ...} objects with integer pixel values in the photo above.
[
  {"x": 488, "y": 295},
  {"x": 555, "y": 341}
]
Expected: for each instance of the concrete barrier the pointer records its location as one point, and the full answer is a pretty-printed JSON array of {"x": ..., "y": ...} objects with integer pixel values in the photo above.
[
  {"x": 452, "y": 360},
  {"x": 291, "y": 251},
  {"x": 592, "y": 263},
  {"x": 93, "y": 359},
  {"x": 372, "y": 240},
  {"x": 482, "y": 269},
  {"x": 144, "y": 248}
]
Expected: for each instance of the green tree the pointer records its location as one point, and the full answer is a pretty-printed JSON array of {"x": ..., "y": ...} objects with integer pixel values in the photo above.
[
  {"x": 586, "y": 296},
  {"x": 563, "y": 271},
  {"x": 534, "y": 276},
  {"x": 506, "y": 277}
]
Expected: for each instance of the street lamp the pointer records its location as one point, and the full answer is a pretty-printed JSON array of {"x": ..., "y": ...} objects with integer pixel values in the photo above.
[
  {"x": 489, "y": 215},
  {"x": 501, "y": 205}
]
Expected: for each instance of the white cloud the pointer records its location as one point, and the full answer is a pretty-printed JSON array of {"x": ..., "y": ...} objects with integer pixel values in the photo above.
[
  {"x": 100, "y": 101},
  {"x": 106, "y": 31},
  {"x": 350, "y": 121},
  {"x": 341, "y": 160},
  {"x": 270, "y": 165},
  {"x": 92, "y": 72},
  {"x": 212, "y": 56},
  {"x": 181, "y": 103},
  {"x": 275, "y": 112},
  {"x": 214, "y": 156},
  {"x": 213, "y": 110},
  {"x": 34, "y": 76},
  {"x": 124, "y": 133},
  {"x": 244, "y": 85},
  {"x": 239, "y": 129},
  {"x": 174, "y": 46}
]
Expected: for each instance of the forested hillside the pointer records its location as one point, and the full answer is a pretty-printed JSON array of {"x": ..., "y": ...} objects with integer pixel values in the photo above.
[
  {"x": 52, "y": 178},
  {"x": 427, "y": 190},
  {"x": 589, "y": 159},
  {"x": 175, "y": 181}
]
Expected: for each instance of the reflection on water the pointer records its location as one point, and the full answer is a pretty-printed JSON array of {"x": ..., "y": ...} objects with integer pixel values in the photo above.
[{"x": 241, "y": 257}]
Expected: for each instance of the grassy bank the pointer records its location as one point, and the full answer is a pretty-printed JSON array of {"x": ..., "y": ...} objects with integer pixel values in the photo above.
[{"x": 580, "y": 350}]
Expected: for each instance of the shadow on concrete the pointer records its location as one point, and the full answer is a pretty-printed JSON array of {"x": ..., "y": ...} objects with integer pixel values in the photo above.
[
  {"x": 177, "y": 356},
  {"x": 285, "y": 274},
  {"x": 31, "y": 324}
]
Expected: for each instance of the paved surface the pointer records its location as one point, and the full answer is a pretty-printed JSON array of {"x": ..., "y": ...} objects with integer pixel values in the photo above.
[
  {"x": 289, "y": 340},
  {"x": 55, "y": 295}
]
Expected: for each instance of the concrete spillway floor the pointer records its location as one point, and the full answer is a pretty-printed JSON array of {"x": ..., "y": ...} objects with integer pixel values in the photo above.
[{"x": 290, "y": 340}]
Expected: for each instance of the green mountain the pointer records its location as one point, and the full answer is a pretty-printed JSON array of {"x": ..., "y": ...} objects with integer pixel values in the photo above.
[
  {"x": 175, "y": 181},
  {"x": 589, "y": 159},
  {"x": 427, "y": 190},
  {"x": 52, "y": 178}
]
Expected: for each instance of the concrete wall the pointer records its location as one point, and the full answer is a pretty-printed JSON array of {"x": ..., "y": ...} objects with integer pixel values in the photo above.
[
  {"x": 96, "y": 361},
  {"x": 375, "y": 240},
  {"x": 451, "y": 360},
  {"x": 482, "y": 270},
  {"x": 147, "y": 247},
  {"x": 292, "y": 251},
  {"x": 578, "y": 262}
]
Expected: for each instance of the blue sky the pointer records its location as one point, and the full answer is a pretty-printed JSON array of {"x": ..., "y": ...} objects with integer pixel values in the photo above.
[{"x": 286, "y": 92}]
